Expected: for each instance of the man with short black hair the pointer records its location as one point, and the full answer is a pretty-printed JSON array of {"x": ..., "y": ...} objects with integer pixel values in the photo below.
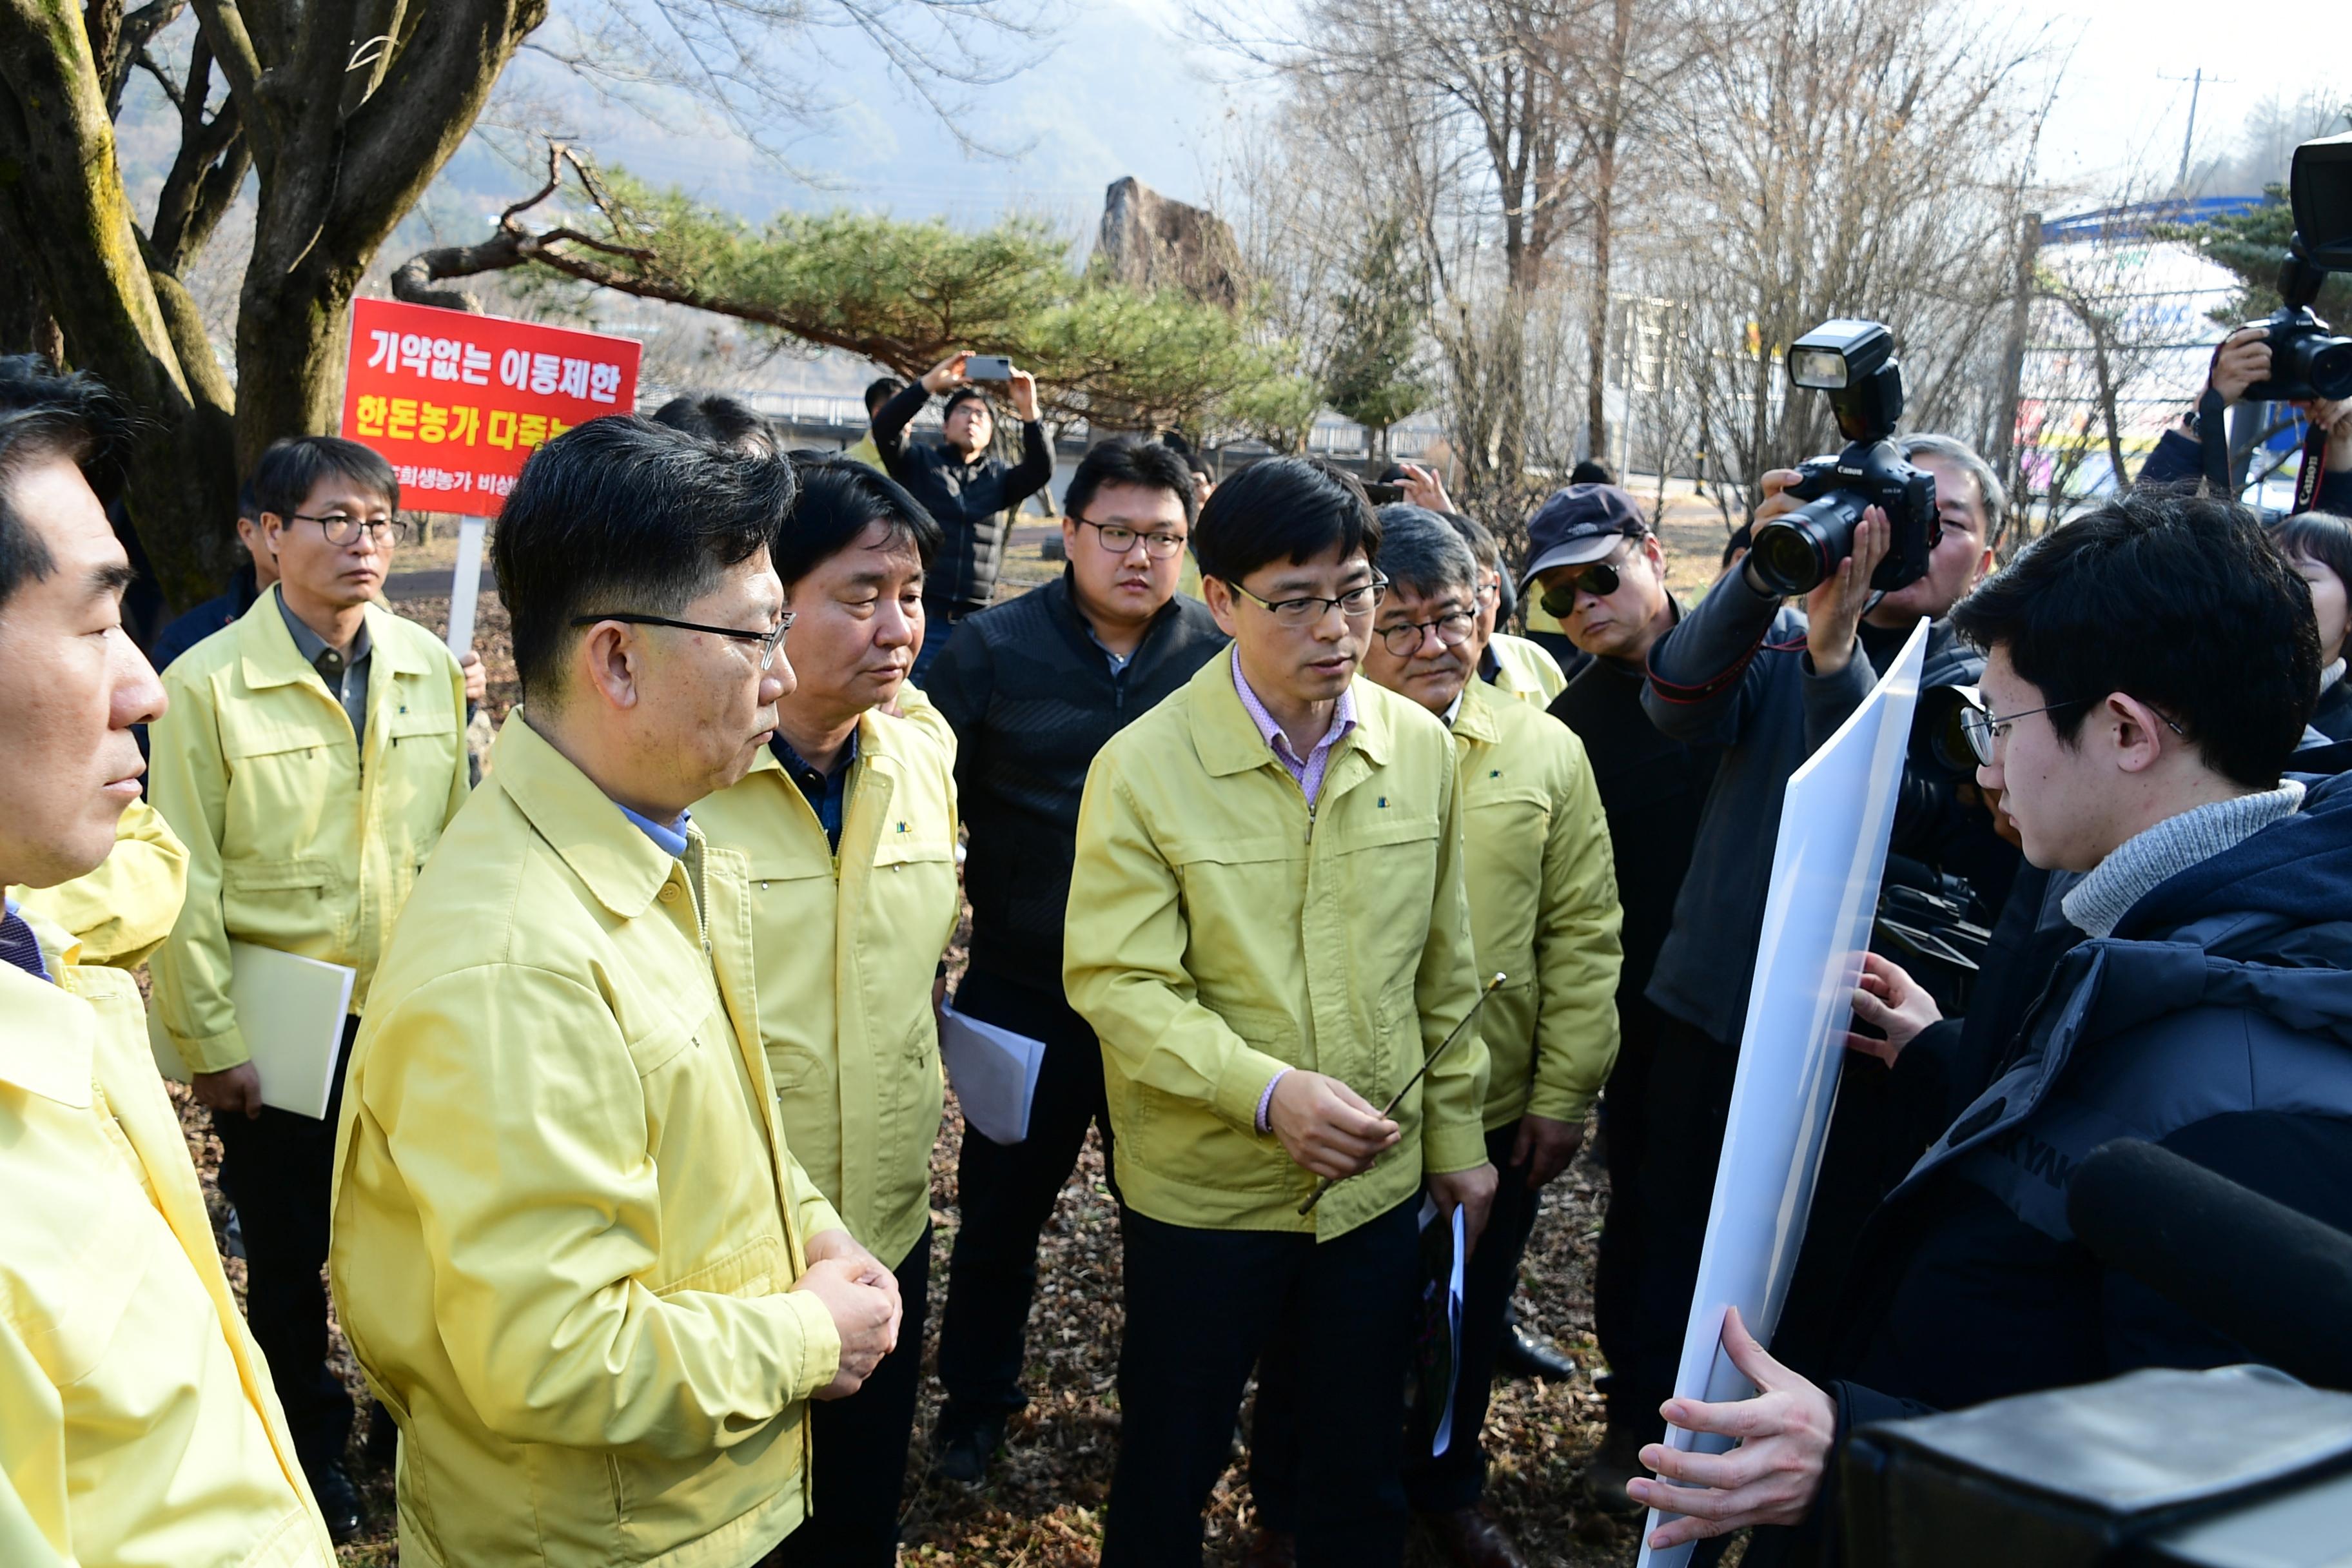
[
  {"x": 1034, "y": 687},
  {"x": 2149, "y": 671},
  {"x": 137, "y": 1423},
  {"x": 310, "y": 757},
  {"x": 252, "y": 578},
  {"x": 727, "y": 421},
  {"x": 1543, "y": 910},
  {"x": 1268, "y": 933},
  {"x": 846, "y": 824},
  {"x": 878, "y": 390},
  {"x": 973, "y": 495},
  {"x": 573, "y": 1251}
]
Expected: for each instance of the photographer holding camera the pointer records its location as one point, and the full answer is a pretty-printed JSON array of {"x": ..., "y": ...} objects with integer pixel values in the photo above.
[
  {"x": 2241, "y": 364},
  {"x": 1743, "y": 672},
  {"x": 2150, "y": 668}
]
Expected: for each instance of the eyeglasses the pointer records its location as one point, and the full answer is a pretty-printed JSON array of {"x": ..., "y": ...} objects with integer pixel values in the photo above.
[
  {"x": 1600, "y": 580},
  {"x": 1299, "y": 614},
  {"x": 769, "y": 641},
  {"x": 1983, "y": 729},
  {"x": 342, "y": 529},
  {"x": 1453, "y": 630},
  {"x": 1118, "y": 539}
]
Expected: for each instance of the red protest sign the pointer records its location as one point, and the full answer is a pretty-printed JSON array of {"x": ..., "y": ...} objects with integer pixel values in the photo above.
[{"x": 455, "y": 402}]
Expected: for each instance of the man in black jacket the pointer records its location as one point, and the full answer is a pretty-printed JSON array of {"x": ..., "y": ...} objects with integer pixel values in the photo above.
[
  {"x": 970, "y": 494},
  {"x": 2150, "y": 668},
  {"x": 1743, "y": 672},
  {"x": 1602, "y": 573},
  {"x": 1032, "y": 688}
]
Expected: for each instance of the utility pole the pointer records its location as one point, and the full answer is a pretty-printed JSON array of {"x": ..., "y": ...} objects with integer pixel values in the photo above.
[
  {"x": 2013, "y": 355},
  {"x": 2195, "y": 87}
]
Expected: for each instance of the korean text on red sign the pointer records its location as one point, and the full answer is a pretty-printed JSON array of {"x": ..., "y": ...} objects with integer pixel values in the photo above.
[{"x": 455, "y": 402}]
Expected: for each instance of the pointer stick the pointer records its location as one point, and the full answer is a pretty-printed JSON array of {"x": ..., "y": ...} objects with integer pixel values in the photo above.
[{"x": 1429, "y": 1061}]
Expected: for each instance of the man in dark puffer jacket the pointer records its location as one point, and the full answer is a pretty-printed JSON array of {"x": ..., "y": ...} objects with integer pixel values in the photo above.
[
  {"x": 2150, "y": 668},
  {"x": 1032, "y": 688}
]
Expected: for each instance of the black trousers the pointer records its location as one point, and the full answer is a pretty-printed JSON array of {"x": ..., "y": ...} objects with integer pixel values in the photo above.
[
  {"x": 1005, "y": 1195},
  {"x": 860, "y": 1448},
  {"x": 1202, "y": 1307},
  {"x": 1690, "y": 1099},
  {"x": 280, "y": 1170},
  {"x": 1456, "y": 1479},
  {"x": 1617, "y": 1322}
]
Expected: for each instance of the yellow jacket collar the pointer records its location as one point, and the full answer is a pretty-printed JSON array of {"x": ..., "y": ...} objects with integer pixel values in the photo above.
[
  {"x": 1475, "y": 719},
  {"x": 271, "y": 657},
  {"x": 622, "y": 868},
  {"x": 48, "y": 1035},
  {"x": 1228, "y": 741}
]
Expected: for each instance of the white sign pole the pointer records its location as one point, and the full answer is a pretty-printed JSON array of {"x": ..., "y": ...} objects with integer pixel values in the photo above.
[
  {"x": 1826, "y": 864},
  {"x": 466, "y": 586}
]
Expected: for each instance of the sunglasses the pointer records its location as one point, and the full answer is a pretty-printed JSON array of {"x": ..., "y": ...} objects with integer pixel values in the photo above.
[{"x": 1600, "y": 580}]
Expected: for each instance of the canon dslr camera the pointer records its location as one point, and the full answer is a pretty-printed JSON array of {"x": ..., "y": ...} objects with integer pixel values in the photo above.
[
  {"x": 2307, "y": 361},
  {"x": 1853, "y": 362}
]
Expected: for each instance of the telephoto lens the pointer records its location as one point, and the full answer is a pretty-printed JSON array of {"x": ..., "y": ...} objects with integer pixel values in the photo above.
[
  {"x": 1795, "y": 552},
  {"x": 2314, "y": 361}
]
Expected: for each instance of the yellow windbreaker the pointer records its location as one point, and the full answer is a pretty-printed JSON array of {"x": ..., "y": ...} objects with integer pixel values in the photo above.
[
  {"x": 1543, "y": 907},
  {"x": 846, "y": 948},
  {"x": 1219, "y": 930},
  {"x": 138, "y": 1425},
  {"x": 121, "y": 912},
  {"x": 565, "y": 1221},
  {"x": 1524, "y": 672},
  {"x": 293, "y": 843}
]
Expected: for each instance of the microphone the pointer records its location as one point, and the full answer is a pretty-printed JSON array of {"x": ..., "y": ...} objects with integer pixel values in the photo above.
[{"x": 2277, "y": 1281}]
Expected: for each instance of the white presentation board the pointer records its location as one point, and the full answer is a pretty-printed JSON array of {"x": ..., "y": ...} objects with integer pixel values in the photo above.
[{"x": 1826, "y": 864}]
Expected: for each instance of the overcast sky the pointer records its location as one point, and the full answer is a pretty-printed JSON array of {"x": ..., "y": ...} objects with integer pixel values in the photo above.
[{"x": 1126, "y": 91}]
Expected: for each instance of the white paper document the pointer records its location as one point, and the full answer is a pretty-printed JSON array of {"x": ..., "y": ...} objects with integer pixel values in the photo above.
[
  {"x": 1826, "y": 864},
  {"x": 995, "y": 1072},
  {"x": 291, "y": 1012}
]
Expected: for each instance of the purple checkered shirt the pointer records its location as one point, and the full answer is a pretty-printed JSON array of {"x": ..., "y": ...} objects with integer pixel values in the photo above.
[{"x": 1309, "y": 774}]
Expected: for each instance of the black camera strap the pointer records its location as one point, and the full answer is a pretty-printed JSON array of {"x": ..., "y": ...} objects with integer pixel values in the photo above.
[{"x": 2314, "y": 469}]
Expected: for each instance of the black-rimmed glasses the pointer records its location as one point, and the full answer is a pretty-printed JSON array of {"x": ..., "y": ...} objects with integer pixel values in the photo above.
[
  {"x": 1453, "y": 630},
  {"x": 1119, "y": 539},
  {"x": 1299, "y": 614},
  {"x": 769, "y": 641},
  {"x": 1983, "y": 728},
  {"x": 342, "y": 529}
]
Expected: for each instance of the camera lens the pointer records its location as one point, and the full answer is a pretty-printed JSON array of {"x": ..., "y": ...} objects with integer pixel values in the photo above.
[
  {"x": 1794, "y": 552},
  {"x": 2330, "y": 371}
]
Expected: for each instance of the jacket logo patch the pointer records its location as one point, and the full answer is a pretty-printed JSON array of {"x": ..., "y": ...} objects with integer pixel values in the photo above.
[
  {"x": 1384, "y": 803},
  {"x": 1494, "y": 772}
]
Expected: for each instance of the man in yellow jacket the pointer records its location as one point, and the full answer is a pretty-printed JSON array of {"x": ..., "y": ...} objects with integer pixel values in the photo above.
[
  {"x": 846, "y": 824},
  {"x": 310, "y": 756},
  {"x": 1268, "y": 933},
  {"x": 1543, "y": 910},
  {"x": 572, "y": 1250},
  {"x": 137, "y": 1423}
]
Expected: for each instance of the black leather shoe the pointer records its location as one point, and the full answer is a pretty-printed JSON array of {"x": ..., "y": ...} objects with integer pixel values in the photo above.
[
  {"x": 962, "y": 1444},
  {"x": 1525, "y": 1355},
  {"x": 338, "y": 1501}
]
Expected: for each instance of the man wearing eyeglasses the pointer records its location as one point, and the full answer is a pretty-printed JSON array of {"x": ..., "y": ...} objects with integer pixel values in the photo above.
[
  {"x": 1268, "y": 933},
  {"x": 1032, "y": 688},
  {"x": 1543, "y": 910},
  {"x": 573, "y": 1248},
  {"x": 310, "y": 756}
]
